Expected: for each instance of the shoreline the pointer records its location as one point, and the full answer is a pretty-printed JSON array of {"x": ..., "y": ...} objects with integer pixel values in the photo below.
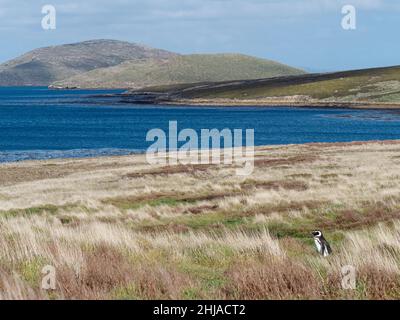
[
  {"x": 138, "y": 155},
  {"x": 267, "y": 104},
  {"x": 155, "y": 99}
]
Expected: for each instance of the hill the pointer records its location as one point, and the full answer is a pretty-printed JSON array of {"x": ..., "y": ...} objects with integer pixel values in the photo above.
[
  {"x": 119, "y": 64},
  {"x": 43, "y": 66},
  {"x": 370, "y": 86},
  {"x": 179, "y": 69}
]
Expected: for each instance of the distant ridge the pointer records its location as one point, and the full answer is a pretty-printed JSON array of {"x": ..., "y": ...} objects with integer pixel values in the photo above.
[
  {"x": 41, "y": 67},
  {"x": 119, "y": 64}
]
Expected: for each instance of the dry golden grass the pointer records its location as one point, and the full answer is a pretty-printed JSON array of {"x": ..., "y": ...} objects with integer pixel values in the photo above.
[{"x": 119, "y": 228}]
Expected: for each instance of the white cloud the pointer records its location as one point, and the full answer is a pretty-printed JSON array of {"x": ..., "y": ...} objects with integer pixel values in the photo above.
[
  {"x": 17, "y": 12},
  {"x": 178, "y": 25}
]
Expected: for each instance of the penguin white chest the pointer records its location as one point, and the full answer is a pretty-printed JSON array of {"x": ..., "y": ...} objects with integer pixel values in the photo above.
[{"x": 318, "y": 245}]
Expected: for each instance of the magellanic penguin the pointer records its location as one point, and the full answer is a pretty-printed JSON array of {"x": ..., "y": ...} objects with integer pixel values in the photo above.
[{"x": 322, "y": 245}]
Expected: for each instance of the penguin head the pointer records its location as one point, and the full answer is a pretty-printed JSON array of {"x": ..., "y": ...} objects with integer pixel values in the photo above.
[{"x": 316, "y": 233}]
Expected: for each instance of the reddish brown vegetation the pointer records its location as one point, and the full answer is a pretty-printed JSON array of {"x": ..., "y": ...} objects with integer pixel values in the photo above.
[
  {"x": 378, "y": 284},
  {"x": 104, "y": 269},
  {"x": 304, "y": 158},
  {"x": 277, "y": 280},
  {"x": 202, "y": 208},
  {"x": 107, "y": 272},
  {"x": 352, "y": 219},
  {"x": 170, "y": 169},
  {"x": 276, "y": 185},
  {"x": 349, "y": 144}
]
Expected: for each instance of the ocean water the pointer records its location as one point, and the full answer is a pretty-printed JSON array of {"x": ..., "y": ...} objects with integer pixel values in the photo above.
[{"x": 38, "y": 123}]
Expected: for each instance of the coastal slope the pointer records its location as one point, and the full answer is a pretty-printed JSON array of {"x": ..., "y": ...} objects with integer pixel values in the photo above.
[{"x": 376, "y": 86}]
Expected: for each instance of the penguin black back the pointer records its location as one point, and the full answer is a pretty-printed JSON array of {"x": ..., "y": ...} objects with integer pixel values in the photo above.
[{"x": 322, "y": 245}]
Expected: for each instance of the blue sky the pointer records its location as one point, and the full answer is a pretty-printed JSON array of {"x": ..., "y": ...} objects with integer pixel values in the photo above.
[{"x": 302, "y": 33}]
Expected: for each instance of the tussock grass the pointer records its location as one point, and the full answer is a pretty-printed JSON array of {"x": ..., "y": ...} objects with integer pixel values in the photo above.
[{"x": 117, "y": 228}]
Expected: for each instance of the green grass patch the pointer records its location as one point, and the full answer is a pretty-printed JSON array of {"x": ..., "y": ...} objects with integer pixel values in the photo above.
[
  {"x": 211, "y": 278},
  {"x": 128, "y": 292},
  {"x": 40, "y": 210},
  {"x": 51, "y": 209},
  {"x": 31, "y": 271},
  {"x": 213, "y": 219}
]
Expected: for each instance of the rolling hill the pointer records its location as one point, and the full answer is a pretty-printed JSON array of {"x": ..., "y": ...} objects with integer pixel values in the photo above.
[
  {"x": 119, "y": 64},
  {"x": 179, "y": 69},
  {"x": 367, "y": 86},
  {"x": 43, "y": 66}
]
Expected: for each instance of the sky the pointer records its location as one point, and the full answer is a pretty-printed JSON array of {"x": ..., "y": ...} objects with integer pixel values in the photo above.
[{"x": 302, "y": 33}]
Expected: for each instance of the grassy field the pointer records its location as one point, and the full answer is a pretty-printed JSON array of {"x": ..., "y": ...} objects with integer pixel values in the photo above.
[{"x": 118, "y": 228}]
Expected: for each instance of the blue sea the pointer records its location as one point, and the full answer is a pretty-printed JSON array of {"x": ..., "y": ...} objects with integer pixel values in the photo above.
[{"x": 38, "y": 123}]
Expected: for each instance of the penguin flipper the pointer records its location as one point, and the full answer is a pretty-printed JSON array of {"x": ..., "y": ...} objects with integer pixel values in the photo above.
[
  {"x": 328, "y": 247},
  {"x": 326, "y": 250}
]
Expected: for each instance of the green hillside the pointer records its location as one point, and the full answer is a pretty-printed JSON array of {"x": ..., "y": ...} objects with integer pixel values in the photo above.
[
  {"x": 179, "y": 69},
  {"x": 368, "y": 85}
]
